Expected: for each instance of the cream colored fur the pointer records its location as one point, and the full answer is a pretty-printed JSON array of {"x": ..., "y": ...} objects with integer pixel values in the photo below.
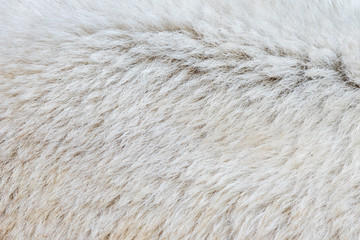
[{"x": 179, "y": 119}]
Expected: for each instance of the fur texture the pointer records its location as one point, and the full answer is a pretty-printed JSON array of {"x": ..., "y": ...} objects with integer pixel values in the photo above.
[{"x": 191, "y": 119}]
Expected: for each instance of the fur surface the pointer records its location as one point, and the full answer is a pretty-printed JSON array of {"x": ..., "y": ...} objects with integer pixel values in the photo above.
[{"x": 192, "y": 119}]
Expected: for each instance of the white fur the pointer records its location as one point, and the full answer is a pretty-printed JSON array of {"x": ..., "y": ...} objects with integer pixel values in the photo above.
[{"x": 169, "y": 119}]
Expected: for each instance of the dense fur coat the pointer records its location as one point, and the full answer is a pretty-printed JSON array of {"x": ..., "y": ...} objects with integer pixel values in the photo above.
[{"x": 191, "y": 119}]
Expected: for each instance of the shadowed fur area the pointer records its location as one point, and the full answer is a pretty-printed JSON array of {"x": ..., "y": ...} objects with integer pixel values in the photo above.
[{"x": 191, "y": 119}]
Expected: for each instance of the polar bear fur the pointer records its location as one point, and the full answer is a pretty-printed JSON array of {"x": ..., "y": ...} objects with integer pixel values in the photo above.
[{"x": 191, "y": 119}]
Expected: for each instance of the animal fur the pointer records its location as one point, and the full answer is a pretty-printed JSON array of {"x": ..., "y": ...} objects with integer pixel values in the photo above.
[{"x": 191, "y": 119}]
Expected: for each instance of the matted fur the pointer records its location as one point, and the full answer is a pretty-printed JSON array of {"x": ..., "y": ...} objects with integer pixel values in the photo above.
[{"x": 179, "y": 119}]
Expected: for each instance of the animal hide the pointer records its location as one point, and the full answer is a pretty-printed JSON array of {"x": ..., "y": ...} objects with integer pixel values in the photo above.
[{"x": 191, "y": 119}]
